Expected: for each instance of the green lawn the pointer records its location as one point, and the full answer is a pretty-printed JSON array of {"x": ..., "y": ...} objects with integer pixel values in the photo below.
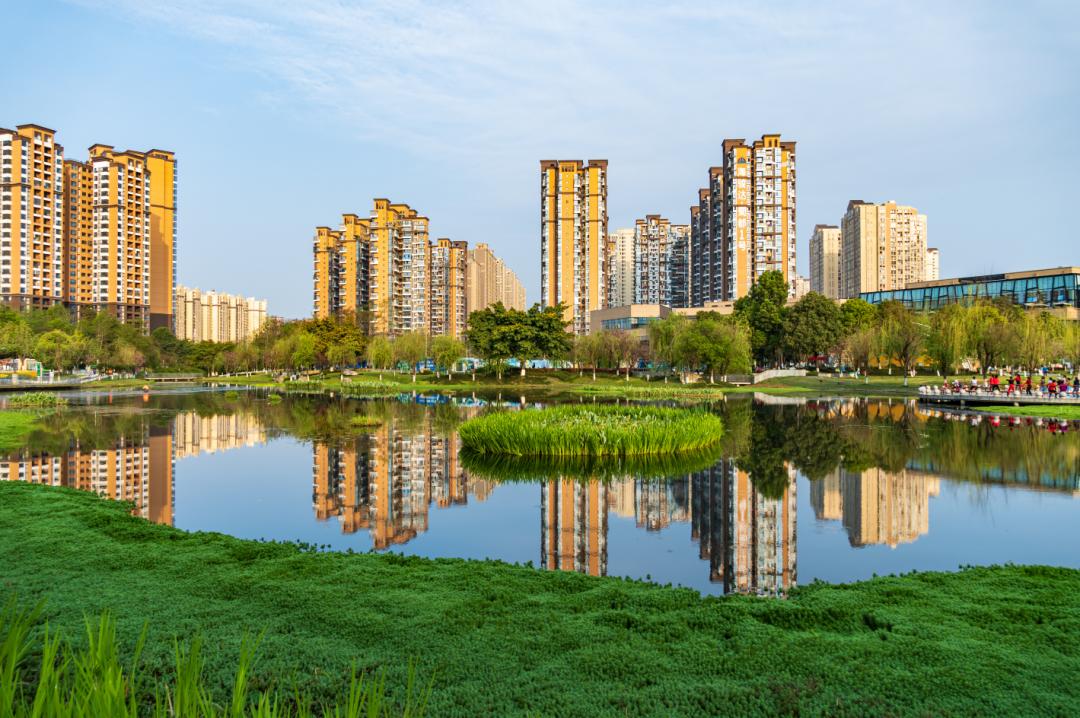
[
  {"x": 1044, "y": 410},
  {"x": 506, "y": 640},
  {"x": 14, "y": 426}
]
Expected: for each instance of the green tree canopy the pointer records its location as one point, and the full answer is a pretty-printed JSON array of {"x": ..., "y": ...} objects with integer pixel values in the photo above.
[
  {"x": 762, "y": 309},
  {"x": 812, "y": 326}
]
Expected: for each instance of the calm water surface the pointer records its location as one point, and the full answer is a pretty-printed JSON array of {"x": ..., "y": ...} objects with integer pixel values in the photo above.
[{"x": 830, "y": 490}]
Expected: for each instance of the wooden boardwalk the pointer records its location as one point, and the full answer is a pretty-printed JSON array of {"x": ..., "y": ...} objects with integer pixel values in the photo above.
[{"x": 999, "y": 398}]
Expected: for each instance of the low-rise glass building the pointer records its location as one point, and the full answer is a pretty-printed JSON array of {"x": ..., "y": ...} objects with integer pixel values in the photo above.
[{"x": 1041, "y": 288}]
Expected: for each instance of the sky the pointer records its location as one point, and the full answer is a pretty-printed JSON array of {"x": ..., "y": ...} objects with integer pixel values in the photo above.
[{"x": 284, "y": 115}]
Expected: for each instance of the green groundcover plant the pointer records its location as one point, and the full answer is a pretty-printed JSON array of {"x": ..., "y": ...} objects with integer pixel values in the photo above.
[{"x": 507, "y": 640}]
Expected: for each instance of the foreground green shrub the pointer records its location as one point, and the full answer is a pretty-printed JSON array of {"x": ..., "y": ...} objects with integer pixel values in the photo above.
[
  {"x": 92, "y": 680},
  {"x": 592, "y": 431}
]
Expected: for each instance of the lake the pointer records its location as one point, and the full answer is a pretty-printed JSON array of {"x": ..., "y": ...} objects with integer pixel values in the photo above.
[{"x": 831, "y": 490}]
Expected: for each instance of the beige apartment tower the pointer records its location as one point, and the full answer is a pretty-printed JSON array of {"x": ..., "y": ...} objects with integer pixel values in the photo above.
[
  {"x": 31, "y": 217},
  {"x": 883, "y": 247},
  {"x": 217, "y": 317},
  {"x": 489, "y": 280},
  {"x": 620, "y": 265},
  {"x": 932, "y": 268},
  {"x": 825, "y": 261},
  {"x": 573, "y": 238}
]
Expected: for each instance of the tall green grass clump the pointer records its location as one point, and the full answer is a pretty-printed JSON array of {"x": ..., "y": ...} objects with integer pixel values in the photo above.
[
  {"x": 36, "y": 400},
  {"x": 41, "y": 675},
  {"x": 591, "y": 431}
]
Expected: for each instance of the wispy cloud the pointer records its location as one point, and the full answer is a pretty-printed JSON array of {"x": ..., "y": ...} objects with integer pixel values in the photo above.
[
  {"x": 886, "y": 99},
  {"x": 450, "y": 77}
]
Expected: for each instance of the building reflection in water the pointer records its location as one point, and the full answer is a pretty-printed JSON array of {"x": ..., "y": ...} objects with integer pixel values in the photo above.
[
  {"x": 574, "y": 526},
  {"x": 385, "y": 482},
  {"x": 138, "y": 467},
  {"x": 876, "y": 506},
  {"x": 748, "y": 538}
]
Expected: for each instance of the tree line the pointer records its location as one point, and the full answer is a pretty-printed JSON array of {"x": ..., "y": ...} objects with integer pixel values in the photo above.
[
  {"x": 763, "y": 331},
  {"x": 989, "y": 333}
]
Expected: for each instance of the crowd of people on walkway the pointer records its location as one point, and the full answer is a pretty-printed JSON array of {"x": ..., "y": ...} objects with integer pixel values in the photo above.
[{"x": 1041, "y": 386}]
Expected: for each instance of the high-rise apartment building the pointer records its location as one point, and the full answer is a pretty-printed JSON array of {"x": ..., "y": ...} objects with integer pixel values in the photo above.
[
  {"x": 481, "y": 276},
  {"x": 573, "y": 238},
  {"x": 758, "y": 227},
  {"x": 620, "y": 264},
  {"x": 706, "y": 268},
  {"x": 825, "y": 261},
  {"x": 120, "y": 235},
  {"x": 883, "y": 247},
  {"x": 163, "y": 179},
  {"x": 384, "y": 271},
  {"x": 79, "y": 269},
  {"x": 99, "y": 234},
  {"x": 932, "y": 265},
  {"x": 744, "y": 221},
  {"x": 217, "y": 317},
  {"x": 31, "y": 217},
  {"x": 448, "y": 277},
  {"x": 508, "y": 288},
  {"x": 661, "y": 262},
  {"x": 489, "y": 280}
]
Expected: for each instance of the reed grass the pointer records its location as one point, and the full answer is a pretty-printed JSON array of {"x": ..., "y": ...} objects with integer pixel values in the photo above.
[
  {"x": 65, "y": 681},
  {"x": 36, "y": 400},
  {"x": 506, "y": 468},
  {"x": 598, "y": 430}
]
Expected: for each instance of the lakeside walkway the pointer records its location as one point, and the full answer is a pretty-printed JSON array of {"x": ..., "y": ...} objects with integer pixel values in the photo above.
[{"x": 933, "y": 395}]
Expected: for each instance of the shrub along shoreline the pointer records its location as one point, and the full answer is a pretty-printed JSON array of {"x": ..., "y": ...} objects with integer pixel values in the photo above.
[{"x": 510, "y": 640}]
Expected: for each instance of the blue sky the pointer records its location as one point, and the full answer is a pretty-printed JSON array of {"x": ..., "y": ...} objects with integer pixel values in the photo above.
[{"x": 286, "y": 114}]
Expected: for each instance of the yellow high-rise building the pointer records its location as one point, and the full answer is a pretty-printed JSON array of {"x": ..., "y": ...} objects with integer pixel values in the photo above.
[
  {"x": 162, "y": 167},
  {"x": 79, "y": 268},
  {"x": 883, "y": 247},
  {"x": 384, "y": 271},
  {"x": 341, "y": 268},
  {"x": 120, "y": 283},
  {"x": 327, "y": 275},
  {"x": 573, "y": 238},
  {"x": 399, "y": 276},
  {"x": 31, "y": 217},
  {"x": 757, "y": 231},
  {"x": 99, "y": 234}
]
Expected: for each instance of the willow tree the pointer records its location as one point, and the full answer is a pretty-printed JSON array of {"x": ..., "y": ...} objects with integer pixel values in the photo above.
[
  {"x": 947, "y": 338},
  {"x": 903, "y": 336}
]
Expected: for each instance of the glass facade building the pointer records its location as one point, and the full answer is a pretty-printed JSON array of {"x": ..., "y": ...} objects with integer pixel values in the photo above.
[{"x": 1048, "y": 288}]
